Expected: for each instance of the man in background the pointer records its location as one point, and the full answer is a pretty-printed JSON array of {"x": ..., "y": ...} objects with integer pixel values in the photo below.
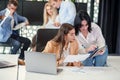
[
  {"x": 67, "y": 11},
  {"x": 10, "y": 23}
]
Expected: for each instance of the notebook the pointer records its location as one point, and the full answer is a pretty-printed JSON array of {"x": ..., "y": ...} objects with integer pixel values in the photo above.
[
  {"x": 40, "y": 62},
  {"x": 6, "y": 64}
]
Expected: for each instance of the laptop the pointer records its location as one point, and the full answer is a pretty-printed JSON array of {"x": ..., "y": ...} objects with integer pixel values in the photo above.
[
  {"x": 6, "y": 64},
  {"x": 40, "y": 62}
]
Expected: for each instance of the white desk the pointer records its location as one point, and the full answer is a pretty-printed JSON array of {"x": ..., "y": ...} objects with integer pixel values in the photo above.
[
  {"x": 8, "y": 73},
  {"x": 86, "y": 73}
]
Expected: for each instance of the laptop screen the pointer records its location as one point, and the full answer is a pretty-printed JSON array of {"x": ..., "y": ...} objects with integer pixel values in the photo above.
[{"x": 5, "y": 64}]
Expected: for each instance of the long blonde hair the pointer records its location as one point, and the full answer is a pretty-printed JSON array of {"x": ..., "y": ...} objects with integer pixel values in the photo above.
[{"x": 46, "y": 16}]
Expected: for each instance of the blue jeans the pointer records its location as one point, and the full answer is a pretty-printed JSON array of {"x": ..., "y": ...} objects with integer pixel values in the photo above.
[
  {"x": 99, "y": 60},
  {"x": 25, "y": 45},
  {"x": 15, "y": 45}
]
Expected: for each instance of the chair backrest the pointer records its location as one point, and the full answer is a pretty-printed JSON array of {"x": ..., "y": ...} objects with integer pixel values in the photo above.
[
  {"x": 43, "y": 36},
  {"x": 4, "y": 45}
]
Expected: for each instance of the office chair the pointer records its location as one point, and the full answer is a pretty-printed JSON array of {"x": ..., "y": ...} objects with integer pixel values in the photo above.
[
  {"x": 4, "y": 45},
  {"x": 43, "y": 36}
]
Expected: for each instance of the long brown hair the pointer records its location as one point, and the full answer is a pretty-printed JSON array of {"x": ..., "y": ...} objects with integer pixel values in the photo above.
[{"x": 59, "y": 38}]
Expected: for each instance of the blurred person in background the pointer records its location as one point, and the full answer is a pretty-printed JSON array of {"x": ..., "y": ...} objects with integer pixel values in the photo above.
[
  {"x": 66, "y": 11},
  {"x": 10, "y": 23}
]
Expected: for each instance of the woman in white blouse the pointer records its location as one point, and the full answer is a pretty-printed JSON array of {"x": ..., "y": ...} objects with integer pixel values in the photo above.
[{"x": 90, "y": 36}]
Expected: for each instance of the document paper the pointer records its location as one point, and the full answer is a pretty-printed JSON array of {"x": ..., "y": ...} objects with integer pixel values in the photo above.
[{"x": 73, "y": 58}]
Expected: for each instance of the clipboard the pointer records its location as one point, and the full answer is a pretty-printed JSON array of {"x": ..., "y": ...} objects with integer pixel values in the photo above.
[{"x": 94, "y": 53}]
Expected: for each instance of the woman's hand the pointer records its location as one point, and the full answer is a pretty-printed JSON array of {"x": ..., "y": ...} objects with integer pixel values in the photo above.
[
  {"x": 57, "y": 24},
  {"x": 91, "y": 48},
  {"x": 60, "y": 61},
  {"x": 101, "y": 52},
  {"x": 77, "y": 64}
]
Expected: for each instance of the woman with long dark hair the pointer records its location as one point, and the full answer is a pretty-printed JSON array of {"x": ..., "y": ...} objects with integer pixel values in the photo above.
[{"x": 90, "y": 36}]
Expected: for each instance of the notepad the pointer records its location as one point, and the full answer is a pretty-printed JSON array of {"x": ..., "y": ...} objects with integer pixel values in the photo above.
[{"x": 95, "y": 52}]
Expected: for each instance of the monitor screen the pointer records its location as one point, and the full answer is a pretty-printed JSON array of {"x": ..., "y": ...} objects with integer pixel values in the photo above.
[
  {"x": 81, "y": 6},
  {"x": 33, "y": 10}
]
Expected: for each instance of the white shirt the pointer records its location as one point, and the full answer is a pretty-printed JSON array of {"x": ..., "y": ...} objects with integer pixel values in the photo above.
[
  {"x": 67, "y": 12},
  {"x": 66, "y": 52},
  {"x": 50, "y": 25},
  {"x": 94, "y": 37}
]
